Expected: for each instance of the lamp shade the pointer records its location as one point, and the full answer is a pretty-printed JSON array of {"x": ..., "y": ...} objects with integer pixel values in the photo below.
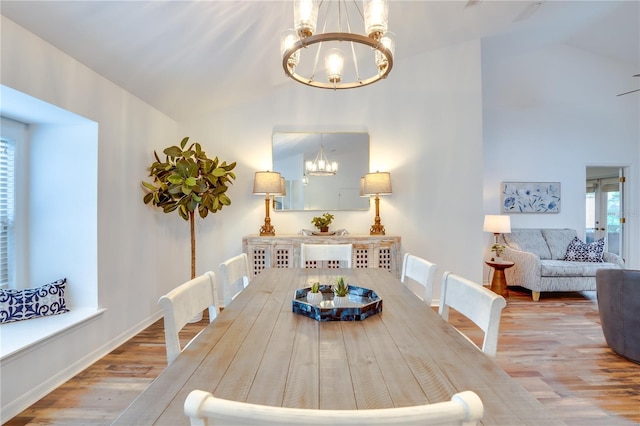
[
  {"x": 362, "y": 194},
  {"x": 498, "y": 224},
  {"x": 267, "y": 183},
  {"x": 283, "y": 187},
  {"x": 377, "y": 183}
]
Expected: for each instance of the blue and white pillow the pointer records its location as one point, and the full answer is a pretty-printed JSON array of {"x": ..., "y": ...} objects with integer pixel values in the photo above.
[
  {"x": 16, "y": 305},
  {"x": 577, "y": 251}
]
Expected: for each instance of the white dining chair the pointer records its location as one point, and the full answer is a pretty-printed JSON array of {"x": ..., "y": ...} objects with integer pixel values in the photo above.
[
  {"x": 479, "y": 304},
  {"x": 419, "y": 275},
  {"x": 204, "y": 409},
  {"x": 183, "y": 303},
  {"x": 325, "y": 255},
  {"x": 234, "y": 274}
]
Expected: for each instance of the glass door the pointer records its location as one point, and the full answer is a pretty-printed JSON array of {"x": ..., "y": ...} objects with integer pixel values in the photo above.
[{"x": 604, "y": 207}]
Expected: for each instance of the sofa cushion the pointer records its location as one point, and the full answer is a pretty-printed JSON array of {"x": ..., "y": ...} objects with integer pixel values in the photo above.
[
  {"x": 562, "y": 268},
  {"x": 530, "y": 240},
  {"x": 583, "y": 252},
  {"x": 558, "y": 240}
]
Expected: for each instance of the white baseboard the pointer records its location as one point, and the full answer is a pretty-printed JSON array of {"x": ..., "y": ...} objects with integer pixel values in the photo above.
[{"x": 18, "y": 405}]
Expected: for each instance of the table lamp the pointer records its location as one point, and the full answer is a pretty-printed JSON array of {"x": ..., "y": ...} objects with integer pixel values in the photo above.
[
  {"x": 267, "y": 183},
  {"x": 375, "y": 184},
  {"x": 497, "y": 224}
]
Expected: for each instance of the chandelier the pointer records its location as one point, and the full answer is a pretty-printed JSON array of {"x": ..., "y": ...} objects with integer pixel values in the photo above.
[
  {"x": 321, "y": 166},
  {"x": 371, "y": 53}
]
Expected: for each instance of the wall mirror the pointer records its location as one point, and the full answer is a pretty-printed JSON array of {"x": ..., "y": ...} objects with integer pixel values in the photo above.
[{"x": 306, "y": 190}]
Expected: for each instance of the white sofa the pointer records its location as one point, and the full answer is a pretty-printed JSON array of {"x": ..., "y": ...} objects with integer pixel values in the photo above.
[{"x": 539, "y": 261}]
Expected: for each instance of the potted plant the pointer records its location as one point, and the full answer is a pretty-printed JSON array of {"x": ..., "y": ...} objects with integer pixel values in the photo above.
[
  {"x": 314, "y": 296},
  {"x": 498, "y": 249},
  {"x": 187, "y": 181},
  {"x": 340, "y": 292},
  {"x": 323, "y": 222}
]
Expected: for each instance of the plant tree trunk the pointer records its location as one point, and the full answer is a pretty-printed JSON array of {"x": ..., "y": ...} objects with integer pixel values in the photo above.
[{"x": 193, "y": 243}]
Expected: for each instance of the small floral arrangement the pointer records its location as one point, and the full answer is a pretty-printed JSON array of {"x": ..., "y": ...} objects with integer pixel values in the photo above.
[
  {"x": 498, "y": 249},
  {"x": 341, "y": 288},
  {"x": 315, "y": 287},
  {"x": 322, "y": 221}
]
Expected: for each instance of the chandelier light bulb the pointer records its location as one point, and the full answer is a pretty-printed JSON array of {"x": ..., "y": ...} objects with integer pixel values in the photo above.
[
  {"x": 381, "y": 60},
  {"x": 334, "y": 63},
  {"x": 287, "y": 40},
  {"x": 375, "y": 18},
  {"x": 305, "y": 17}
]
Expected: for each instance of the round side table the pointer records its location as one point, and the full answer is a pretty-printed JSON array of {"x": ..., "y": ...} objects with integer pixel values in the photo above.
[{"x": 499, "y": 281}]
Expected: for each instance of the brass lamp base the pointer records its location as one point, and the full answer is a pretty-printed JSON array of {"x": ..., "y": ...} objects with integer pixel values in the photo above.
[
  {"x": 377, "y": 228},
  {"x": 267, "y": 229}
]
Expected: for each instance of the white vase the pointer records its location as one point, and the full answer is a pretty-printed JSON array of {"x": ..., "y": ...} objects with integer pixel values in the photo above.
[
  {"x": 314, "y": 298},
  {"x": 339, "y": 301}
]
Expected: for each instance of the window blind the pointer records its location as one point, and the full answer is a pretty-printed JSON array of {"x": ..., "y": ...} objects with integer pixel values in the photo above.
[{"x": 7, "y": 209}]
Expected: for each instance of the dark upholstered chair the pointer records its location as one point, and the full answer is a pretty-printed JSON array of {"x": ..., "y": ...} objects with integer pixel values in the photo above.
[{"x": 619, "y": 306}]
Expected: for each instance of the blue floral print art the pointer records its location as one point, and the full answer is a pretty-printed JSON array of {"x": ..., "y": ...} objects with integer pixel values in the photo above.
[{"x": 531, "y": 197}]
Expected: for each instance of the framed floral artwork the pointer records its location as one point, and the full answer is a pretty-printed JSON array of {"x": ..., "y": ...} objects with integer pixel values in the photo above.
[{"x": 531, "y": 197}]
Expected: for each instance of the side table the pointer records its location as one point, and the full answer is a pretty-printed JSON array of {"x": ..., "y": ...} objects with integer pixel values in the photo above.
[{"x": 499, "y": 281}]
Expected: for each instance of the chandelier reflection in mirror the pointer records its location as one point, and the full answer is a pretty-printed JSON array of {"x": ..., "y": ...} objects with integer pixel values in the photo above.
[
  {"x": 370, "y": 56},
  {"x": 321, "y": 166}
]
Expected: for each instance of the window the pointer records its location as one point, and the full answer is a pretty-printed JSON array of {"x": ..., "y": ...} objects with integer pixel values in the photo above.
[
  {"x": 12, "y": 134},
  {"x": 7, "y": 212}
]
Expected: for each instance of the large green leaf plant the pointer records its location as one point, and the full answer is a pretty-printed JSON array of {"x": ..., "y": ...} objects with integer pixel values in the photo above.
[{"x": 188, "y": 181}]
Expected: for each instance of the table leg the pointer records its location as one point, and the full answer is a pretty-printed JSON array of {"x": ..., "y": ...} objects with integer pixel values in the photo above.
[{"x": 499, "y": 283}]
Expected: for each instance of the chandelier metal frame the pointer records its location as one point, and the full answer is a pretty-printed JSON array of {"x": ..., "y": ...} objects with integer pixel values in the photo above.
[{"x": 289, "y": 68}]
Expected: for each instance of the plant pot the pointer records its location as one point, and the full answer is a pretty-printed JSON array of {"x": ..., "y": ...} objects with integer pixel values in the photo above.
[
  {"x": 324, "y": 229},
  {"x": 339, "y": 301},
  {"x": 314, "y": 298}
]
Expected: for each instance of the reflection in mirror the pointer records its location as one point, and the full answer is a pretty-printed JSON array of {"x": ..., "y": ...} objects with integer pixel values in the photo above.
[{"x": 308, "y": 191}]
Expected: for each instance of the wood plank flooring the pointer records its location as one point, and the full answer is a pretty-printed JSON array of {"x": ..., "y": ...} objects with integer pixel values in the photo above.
[{"x": 554, "y": 348}]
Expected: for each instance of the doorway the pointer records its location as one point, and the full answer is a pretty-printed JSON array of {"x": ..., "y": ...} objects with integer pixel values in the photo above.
[{"x": 605, "y": 207}]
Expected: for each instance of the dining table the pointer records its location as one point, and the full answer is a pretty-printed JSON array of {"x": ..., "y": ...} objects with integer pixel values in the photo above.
[{"x": 258, "y": 350}]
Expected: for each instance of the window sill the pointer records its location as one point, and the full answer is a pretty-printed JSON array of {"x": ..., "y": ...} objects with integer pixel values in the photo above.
[{"x": 20, "y": 336}]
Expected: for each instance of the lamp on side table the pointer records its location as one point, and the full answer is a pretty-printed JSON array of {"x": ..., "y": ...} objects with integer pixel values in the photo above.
[{"x": 498, "y": 224}]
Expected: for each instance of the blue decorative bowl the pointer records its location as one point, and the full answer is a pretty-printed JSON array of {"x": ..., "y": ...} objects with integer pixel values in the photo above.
[{"x": 361, "y": 303}]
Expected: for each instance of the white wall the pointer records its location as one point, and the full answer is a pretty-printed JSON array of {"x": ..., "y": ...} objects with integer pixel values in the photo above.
[
  {"x": 140, "y": 251},
  {"x": 63, "y": 209},
  {"x": 425, "y": 127},
  {"x": 548, "y": 115}
]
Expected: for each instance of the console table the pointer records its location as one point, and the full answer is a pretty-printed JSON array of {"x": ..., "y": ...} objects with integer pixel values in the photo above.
[{"x": 283, "y": 251}]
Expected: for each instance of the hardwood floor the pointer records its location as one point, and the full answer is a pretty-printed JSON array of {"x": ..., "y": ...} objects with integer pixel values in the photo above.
[{"x": 554, "y": 348}]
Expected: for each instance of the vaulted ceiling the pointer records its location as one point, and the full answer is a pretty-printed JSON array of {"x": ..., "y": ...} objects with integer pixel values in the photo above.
[{"x": 188, "y": 58}]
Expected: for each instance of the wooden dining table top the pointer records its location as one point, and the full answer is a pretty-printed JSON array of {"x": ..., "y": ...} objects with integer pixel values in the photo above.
[{"x": 259, "y": 351}]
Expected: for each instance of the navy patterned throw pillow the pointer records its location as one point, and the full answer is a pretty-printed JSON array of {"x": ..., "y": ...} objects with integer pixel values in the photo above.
[
  {"x": 577, "y": 251},
  {"x": 16, "y": 305}
]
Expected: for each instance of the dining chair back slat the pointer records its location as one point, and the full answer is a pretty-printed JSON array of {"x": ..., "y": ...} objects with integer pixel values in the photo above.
[
  {"x": 234, "y": 273},
  {"x": 479, "y": 304},
  {"x": 420, "y": 271},
  {"x": 203, "y": 409},
  {"x": 326, "y": 255},
  {"x": 182, "y": 304}
]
